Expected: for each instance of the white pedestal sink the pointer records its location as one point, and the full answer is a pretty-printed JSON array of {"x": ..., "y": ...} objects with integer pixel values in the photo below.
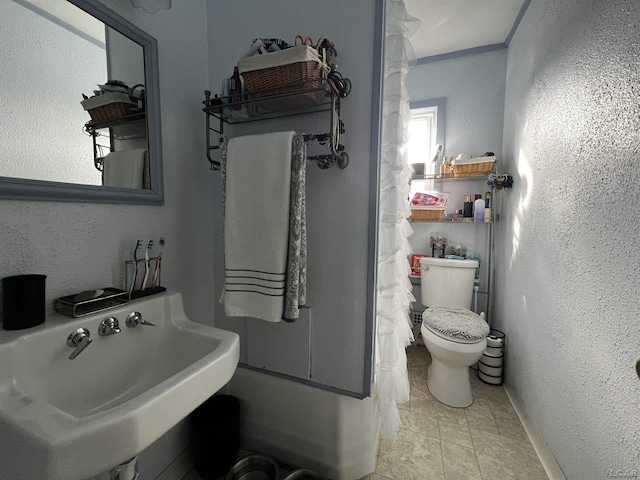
[{"x": 73, "y": 419}]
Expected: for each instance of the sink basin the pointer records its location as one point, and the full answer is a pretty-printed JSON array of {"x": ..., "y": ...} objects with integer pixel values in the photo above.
[{"x": 74, "y": 419}]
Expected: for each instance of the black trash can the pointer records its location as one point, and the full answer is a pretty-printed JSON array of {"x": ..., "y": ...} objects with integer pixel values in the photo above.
[{"x": 215, "y": 435}]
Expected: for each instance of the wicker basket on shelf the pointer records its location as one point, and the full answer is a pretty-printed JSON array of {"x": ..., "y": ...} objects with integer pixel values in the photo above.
[
  {"x": 285, "y": 78},
  {"x": 112, "y": 111},
  {"x": 469, "y": 169},
  {"x": 110, "y": 107},
  {"x": 426, "y": 214}
]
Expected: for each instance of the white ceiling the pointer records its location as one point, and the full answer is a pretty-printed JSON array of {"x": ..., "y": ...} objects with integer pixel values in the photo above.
[{"x": 452, "y": 25}]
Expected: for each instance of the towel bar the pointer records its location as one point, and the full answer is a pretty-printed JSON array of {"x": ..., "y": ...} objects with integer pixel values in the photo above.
[{"x": 258, "y": 108}]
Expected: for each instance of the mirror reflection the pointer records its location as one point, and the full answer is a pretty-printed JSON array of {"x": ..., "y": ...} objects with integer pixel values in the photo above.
[{"x": 61, "y": 120}]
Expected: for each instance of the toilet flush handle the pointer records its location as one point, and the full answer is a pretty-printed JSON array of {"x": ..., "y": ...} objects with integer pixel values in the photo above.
[{"x": 424, "y": 267}]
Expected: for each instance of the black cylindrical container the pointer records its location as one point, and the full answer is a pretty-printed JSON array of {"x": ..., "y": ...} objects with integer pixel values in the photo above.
[
  {"x": 467, "y": 207},
  {"x": 215, "y": 435},
  {"x": 23, "y": 300}
]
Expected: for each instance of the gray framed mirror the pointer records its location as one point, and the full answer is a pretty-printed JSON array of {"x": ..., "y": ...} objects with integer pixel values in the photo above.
[{"x": 48, "y": 147}]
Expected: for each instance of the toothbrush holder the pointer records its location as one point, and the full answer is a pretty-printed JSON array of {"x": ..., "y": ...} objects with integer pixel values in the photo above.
[{"x": 132, "y": 277}]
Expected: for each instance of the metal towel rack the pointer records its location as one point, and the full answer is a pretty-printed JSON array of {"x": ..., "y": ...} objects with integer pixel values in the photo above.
[{"x": 298, "y": 99}]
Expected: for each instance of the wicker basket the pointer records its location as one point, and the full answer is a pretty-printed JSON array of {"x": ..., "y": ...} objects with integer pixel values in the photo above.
[
  {"x": 289, "y": 75},
  {"x": 110, "y": 107},
  {"x": 472, "y": 169},
  {"x": 283, "y": 78},
  {"x": 290, "y": 78},
  {"x": 112, "y": 111},
  {"x": 426, "y": 214}
]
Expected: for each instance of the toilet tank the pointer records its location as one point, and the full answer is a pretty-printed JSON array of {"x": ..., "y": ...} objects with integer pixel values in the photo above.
[{"x": 446, "y": 282}]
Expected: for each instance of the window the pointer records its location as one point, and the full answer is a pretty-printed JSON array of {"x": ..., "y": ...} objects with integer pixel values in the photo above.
[
  {"x": 426, "y": 132},
  {"x": 423, "y": 127}
]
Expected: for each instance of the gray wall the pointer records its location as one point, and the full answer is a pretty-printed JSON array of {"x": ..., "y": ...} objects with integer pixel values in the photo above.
[
  {"x": 474, "y": 88},
  {"x": 337, "y": 200},
  {"x": 80, "y": 246},
  {"x": 567, "y": 259}
]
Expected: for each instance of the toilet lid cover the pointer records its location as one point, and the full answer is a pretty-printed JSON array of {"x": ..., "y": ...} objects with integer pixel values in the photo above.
[{"x": 456, "y": 323}]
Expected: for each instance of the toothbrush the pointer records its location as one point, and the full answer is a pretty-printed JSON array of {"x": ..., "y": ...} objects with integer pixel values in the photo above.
[
  {"x": 156, "y": 272},
  {"x": 143, "y": 284},
  {"x": 135, "y": 266}
]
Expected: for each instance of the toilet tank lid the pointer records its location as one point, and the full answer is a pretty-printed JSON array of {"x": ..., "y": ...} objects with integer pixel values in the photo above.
[
  {"x": 449, "y": 262},
  {"x": 456, "y": 323}
]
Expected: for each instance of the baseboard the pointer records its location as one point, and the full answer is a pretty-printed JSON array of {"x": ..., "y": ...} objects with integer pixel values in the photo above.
[
  {"x": 549, "y": 462},
  {"x": 179, "y": 467}
]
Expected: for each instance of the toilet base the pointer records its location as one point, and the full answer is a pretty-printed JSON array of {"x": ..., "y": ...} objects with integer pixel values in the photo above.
[{"x": 449, "y": 385}]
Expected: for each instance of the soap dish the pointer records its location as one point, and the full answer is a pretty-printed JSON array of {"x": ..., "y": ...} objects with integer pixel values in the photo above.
[{"x": 78, "y": 305}]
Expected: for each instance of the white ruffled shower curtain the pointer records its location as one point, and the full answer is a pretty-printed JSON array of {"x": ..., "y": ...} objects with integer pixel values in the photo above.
[{"x": 393, "y": 325}]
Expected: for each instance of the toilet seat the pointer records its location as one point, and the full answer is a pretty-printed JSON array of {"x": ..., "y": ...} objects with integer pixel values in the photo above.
[
  {"x": 457, "y": 325},
  {"x": 451, "y": 339}
]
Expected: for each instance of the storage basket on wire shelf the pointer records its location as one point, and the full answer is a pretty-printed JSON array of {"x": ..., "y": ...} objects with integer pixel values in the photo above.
[
  {"x": 115, "y": 102},
  {"x": 293, "y": 69},
  {"x": 475, "y": 166},
  {"x": 428, "y": 206},
  {"x": 109, "y": 107}
]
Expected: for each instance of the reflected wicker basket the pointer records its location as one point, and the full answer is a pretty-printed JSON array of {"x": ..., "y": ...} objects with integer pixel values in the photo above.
[
  {"x": 112, "y": 111},
  {"x": 110, "y": 107}
]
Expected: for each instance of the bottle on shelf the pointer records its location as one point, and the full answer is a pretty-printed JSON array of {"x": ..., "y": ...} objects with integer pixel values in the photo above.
[
  {"x": 467, "y": 207},
  {"x": 487, "y": 207},
  {"x": 478, "y": 213},
  {"x": 235, "y": 88}
]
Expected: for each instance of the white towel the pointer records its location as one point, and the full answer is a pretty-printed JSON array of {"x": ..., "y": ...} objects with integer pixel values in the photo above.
[
  {"x": 125, "y": 169},
  {"x": 256, "y": 225}
]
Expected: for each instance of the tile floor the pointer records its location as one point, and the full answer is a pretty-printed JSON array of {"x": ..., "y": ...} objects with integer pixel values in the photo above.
[{"x": 485, "y": 441}]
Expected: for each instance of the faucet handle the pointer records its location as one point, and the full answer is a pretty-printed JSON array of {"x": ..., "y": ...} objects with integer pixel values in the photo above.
[
  {"x": 79, "y": 339},
  {"x": 135, "y": 318},
  {"x": 109, "y": 326}
]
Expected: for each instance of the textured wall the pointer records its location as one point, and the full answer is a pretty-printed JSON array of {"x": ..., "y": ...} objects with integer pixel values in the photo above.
[
  {"x": 474, "y": 89},
  {"x": 80, "y": 246},
  {"x": 337, "y": 200},
  {"x": 568, "y": 264}
]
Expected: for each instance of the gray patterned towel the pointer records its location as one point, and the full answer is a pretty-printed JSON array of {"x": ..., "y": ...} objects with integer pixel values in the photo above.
[{"x": 296, "y": 282}]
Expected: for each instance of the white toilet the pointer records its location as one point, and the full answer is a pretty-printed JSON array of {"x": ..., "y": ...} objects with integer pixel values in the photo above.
[{"x": 454, "y": 335}]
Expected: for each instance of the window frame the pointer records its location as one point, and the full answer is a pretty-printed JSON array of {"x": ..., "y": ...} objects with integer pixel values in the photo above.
[{"x": 440, "y": 105}]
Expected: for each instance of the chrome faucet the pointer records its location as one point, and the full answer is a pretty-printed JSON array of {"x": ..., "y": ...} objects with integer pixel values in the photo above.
[
  {"x": 135, "y": 318},
  {"x": 79, "y": 339},
  {"x": 109, "y": 326}
]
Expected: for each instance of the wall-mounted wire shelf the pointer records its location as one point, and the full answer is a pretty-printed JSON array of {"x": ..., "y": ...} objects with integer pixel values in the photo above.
[
  {"x": 117, "y": 131},
  {"x": 448, "y": 177},
  {"x": 284, "y": 101}
]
